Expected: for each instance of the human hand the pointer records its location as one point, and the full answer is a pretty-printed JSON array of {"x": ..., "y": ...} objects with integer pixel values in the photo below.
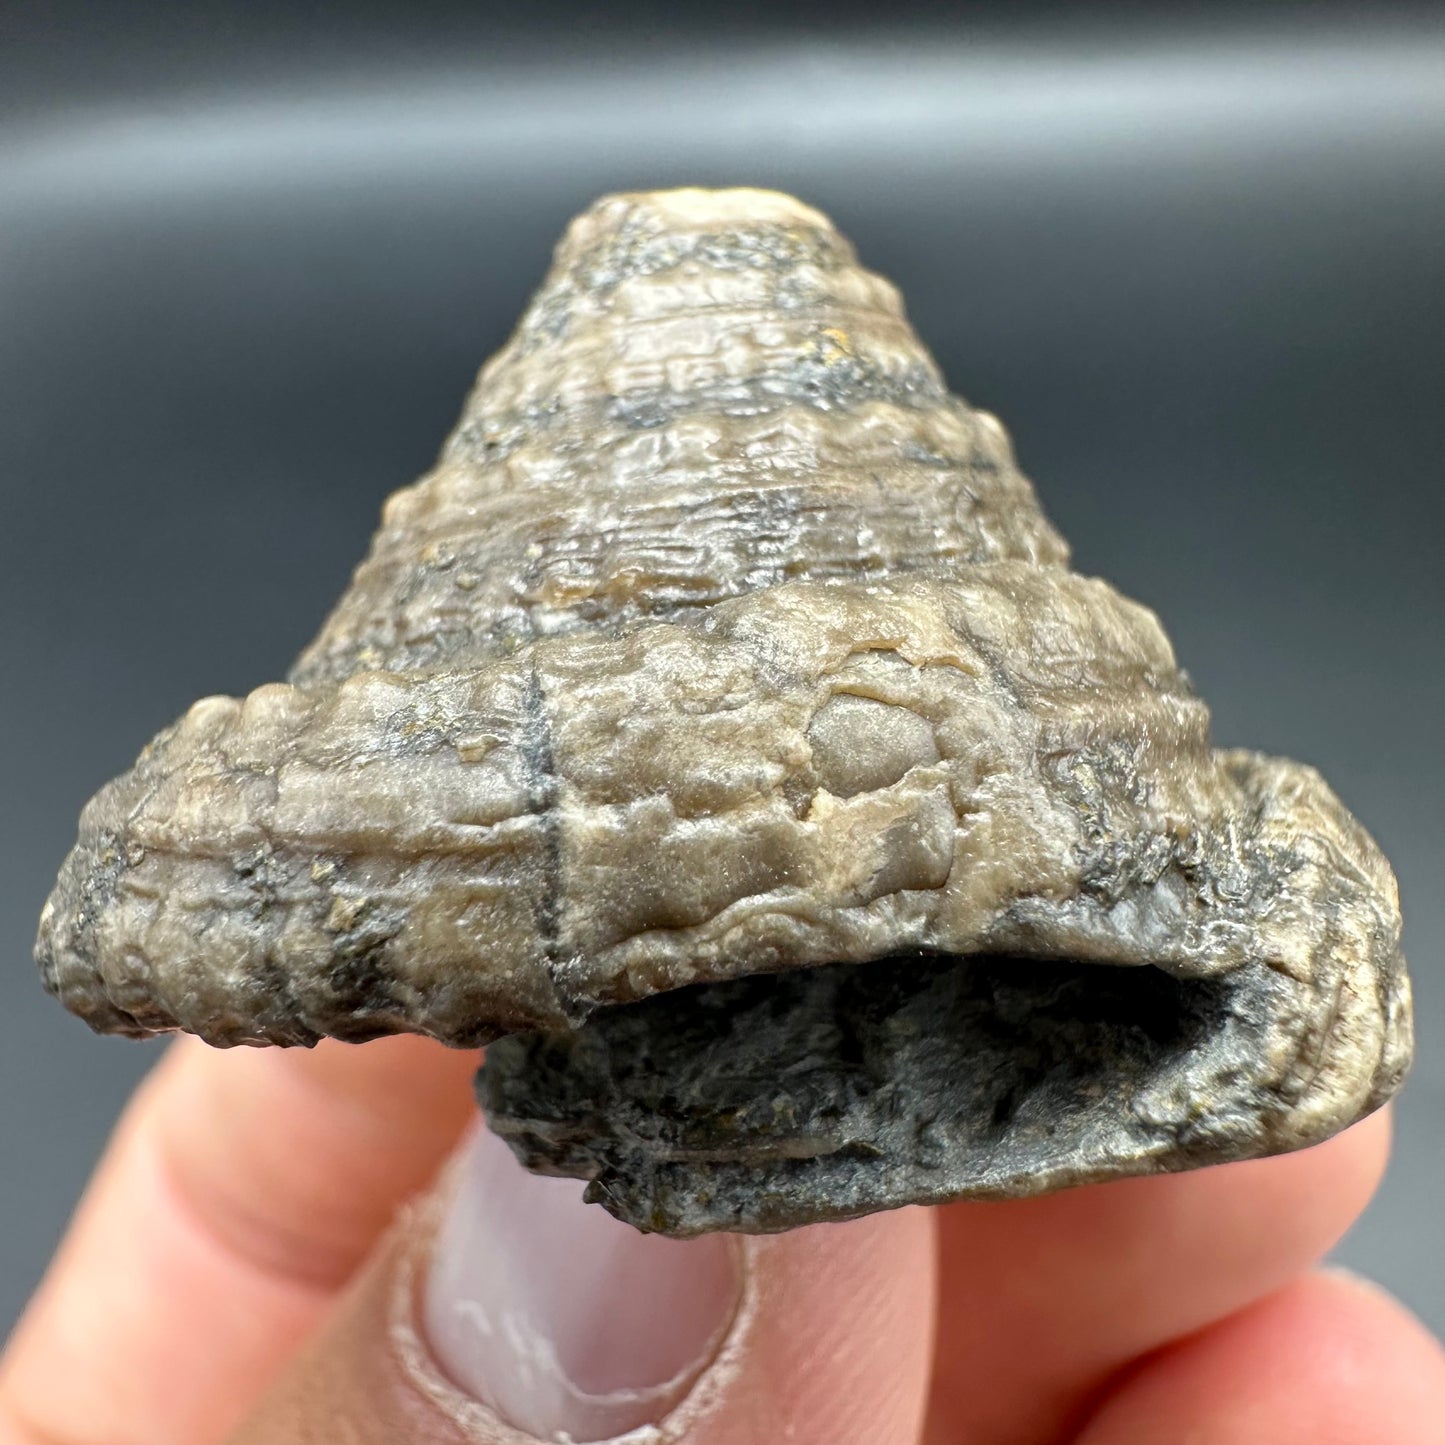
[{"x": 239, "y": 1271}]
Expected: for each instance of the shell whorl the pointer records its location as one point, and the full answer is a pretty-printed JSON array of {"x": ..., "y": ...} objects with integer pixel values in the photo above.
[
  {"x": 708, "y": 396},
  {"x": 723, "y": 642}
]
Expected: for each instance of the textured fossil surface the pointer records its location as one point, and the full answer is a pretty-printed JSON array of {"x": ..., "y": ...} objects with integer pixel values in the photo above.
[{"x": 721, "y": 721}]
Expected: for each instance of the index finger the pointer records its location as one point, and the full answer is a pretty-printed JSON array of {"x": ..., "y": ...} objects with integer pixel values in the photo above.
[
  {"x": 1043, "y": 1301},
  {"x": 240, "y": 1190}
]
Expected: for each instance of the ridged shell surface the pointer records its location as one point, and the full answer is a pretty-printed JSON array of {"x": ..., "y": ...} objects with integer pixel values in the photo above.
[
  {"x": 721, "y": 716},
  {"x": 707, "y": 397}
]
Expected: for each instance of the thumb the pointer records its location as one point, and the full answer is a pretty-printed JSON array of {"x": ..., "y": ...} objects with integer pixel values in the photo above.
[{"x": 506, "y": 1311}]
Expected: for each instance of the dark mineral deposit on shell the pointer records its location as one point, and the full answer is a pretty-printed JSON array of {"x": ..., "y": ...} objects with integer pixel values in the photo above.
[{"x": 719, "y": 729}]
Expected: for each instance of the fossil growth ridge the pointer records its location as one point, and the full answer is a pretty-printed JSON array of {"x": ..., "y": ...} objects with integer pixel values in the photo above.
[{"x": 719, "y": 733}]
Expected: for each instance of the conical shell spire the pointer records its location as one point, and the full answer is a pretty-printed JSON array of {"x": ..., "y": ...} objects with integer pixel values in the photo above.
[{"x": 708, "y": 396}]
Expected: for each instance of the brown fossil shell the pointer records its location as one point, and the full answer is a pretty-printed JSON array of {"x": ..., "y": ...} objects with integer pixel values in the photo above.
[{"x": 720, "y": 719}]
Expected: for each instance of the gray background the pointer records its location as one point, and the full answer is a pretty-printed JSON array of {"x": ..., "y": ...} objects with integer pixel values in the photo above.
[{"x": 250, "y": 257}]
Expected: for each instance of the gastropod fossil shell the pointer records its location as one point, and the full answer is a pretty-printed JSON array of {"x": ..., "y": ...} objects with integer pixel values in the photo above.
[{"x": 720, "y": 729}]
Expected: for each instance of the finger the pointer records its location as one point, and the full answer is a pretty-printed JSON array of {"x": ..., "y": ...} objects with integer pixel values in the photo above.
[
  {"x": 513, "y": 1312},
  {"x": 239, "y": 1191},
  {"x": 1044, "y": 1300},
  {"x": 1327, "y": 1361}
]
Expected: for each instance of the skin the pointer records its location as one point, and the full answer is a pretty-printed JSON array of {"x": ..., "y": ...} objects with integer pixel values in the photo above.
[{"x": 232, "y": 1271}]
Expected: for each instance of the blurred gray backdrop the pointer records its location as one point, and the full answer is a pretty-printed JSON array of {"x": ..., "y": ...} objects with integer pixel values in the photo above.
[{"x": 251, "y": 256}]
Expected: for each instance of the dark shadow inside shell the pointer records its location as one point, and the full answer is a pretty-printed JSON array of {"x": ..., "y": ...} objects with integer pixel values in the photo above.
[{"x": 829, "y": 1092}]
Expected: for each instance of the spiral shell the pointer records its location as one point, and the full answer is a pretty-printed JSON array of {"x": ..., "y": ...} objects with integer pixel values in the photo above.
[{"x": 720, "y": 717}]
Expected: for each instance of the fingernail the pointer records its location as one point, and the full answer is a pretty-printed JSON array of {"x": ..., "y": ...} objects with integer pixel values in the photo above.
[{"x": 569, "y": 1324}]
